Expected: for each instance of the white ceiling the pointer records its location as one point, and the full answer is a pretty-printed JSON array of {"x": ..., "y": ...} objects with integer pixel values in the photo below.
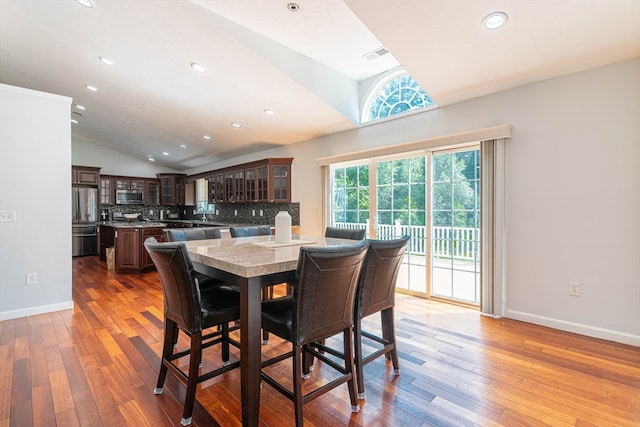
[{"x": 303, "y": 65}]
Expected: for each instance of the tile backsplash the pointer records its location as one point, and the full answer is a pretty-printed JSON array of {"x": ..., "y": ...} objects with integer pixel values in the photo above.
[{"x": 231, "y": 213}]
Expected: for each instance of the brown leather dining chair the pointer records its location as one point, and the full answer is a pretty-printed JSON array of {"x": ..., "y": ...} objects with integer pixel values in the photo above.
[
  {"x": 321, "y": 306},
  {"x": 376, "y": 293},
  {"x": 345, "y": 233},
  {"x": 192, "y": 310},
  {"x": 196, "y": 233}
]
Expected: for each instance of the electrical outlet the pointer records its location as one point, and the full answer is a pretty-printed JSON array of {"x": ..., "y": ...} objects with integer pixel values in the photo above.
[
  {"x": 7, "y": 216},
  {"x": 235, "y": 212},
  {"x": 253, "y": 212},
  {"x": 30, "y": 278},
  {"x": 260, "y": 212},
  {"x": 574, "y": 289}
]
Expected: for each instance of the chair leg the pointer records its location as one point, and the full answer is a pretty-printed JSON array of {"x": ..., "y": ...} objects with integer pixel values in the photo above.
[
  {"x": 357, "y": 350},
  {"x": 349, "y": 367},
  {"x": 170, "y": 337},
  {"x": 225, "y": 344},
  {"x": 267, "y": 294},
  {"x": 297, "y": 384},
  {"x": 195, "y": 358},
  {"x": 389, "y": 334}
]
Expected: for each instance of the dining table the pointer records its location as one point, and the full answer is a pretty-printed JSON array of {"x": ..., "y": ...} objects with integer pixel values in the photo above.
[{"x": 250, "y": 263}]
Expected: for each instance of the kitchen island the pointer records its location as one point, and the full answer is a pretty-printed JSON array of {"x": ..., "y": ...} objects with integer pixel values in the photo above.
[{"x": 127, "y": 239}]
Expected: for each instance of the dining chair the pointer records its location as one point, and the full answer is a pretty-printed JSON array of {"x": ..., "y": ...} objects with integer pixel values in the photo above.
[
  {"x": 258, "y": 230},
  {"x": 196, "y": 233},
  {"x": 321, "y": 306},
  {"x": 376, "y": 293},
  {"x": 192, "y": 310},
  {"x": 345, "y": 233}
]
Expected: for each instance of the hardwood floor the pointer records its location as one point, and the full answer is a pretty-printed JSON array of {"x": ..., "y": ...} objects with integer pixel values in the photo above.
[{"x": 97, "y": 365}]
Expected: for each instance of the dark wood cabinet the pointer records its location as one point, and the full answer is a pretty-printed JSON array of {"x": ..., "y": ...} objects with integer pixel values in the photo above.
[
  {"x": 152, "y": 192},
  {"x": 128, "y": 183},
  {"x": 267, "y": 180},
  {"x": 146, "y": 261},
  {"x": 130, "y": 254},
  {"x": 170, "y": 189},
  {"x": 107, "y": 196},
  {"x": 85, "y": 175}
]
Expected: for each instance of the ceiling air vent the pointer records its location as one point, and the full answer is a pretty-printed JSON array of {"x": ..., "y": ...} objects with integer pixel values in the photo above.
[
  {"x": 75, "y": 113},
  {"x": 376, "y": 53}
]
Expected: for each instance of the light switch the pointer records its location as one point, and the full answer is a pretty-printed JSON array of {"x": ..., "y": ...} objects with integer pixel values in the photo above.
[{"x": 7, "y": 216}]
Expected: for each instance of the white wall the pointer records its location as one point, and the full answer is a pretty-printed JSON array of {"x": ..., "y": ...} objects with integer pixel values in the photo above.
[
  {"x": 84, "y": 153},
  {"x": 35, "y": 182},
  {"x": 573, "y": 192}
]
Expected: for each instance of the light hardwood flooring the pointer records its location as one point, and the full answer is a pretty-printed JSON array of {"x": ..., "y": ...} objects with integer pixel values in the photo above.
[{"x": 97, "y": 365}]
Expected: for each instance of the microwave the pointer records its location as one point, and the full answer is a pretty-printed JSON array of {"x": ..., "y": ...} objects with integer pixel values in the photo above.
[{"x": 129, "y": 197}]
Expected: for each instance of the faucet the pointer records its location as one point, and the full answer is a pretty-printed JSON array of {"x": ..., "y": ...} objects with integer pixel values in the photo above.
[{"x": 204, "y": 217}]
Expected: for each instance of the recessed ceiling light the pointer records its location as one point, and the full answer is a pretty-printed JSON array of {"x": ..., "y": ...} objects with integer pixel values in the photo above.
[
  {"x": 183, "y": 146},
  {"x": 293, "y": 7},
  {"x": 199, "y": 68},
  {"x": 91, "y": 88},
  {"x": 151, "y": 159},
  {"x": 74, "y": 121},
  {"x": 107, "y": 61},
  {"x": 80, "y": 107},
  {"x": 207, "y": 137},
  {"x": 235, "y": 125},
  {"x": 494, "y": 20},
  {"x": 269, "y": 112},
  {"x": 164, "y": 153},
  {"x": 86, "y": 3}
]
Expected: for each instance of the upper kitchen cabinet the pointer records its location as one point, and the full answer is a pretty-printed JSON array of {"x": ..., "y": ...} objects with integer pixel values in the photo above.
[
  {"x": 152, "y": 192},
  {"x": 216, "y": 187},
  {"x": 170, "y": 188},
  {"x": 106, "y": 191},
  {"x": 269, "y": 180},
  {"x": 85, "y": 175},
  {"x": 127, "y": 183}
]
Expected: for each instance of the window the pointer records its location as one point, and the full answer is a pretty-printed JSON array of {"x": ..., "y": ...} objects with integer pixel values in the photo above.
[{"x": 396, "y": 94}]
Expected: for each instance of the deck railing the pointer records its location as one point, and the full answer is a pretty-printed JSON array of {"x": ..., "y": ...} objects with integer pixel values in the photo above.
[{"x": 447, "y": 242}]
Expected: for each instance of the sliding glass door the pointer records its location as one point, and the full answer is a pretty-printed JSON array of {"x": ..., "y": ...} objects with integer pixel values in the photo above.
[{"x": 432, "y": 197}]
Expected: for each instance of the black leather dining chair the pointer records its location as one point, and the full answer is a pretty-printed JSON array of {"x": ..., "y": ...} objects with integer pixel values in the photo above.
[
  {"x": 376, "y": 293},
  {"x": 345, "y": 233},
  {"x": 192, "y": 310},
  {"x": 196, "y": 233},
  {"x": 322, "y": 305}
]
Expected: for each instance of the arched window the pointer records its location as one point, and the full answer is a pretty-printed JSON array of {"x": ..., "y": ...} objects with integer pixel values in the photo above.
[{"x": 396, "y": 95}]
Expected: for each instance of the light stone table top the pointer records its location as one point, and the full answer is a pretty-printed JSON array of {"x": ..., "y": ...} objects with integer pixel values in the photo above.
[{"x": 254, "y": 256}]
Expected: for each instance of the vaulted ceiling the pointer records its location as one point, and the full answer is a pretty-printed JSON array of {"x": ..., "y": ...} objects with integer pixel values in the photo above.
[{"x": 305, "y": 65}]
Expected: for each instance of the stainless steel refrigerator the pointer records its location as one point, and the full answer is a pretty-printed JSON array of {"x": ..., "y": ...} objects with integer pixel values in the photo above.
[{"x": 84, "y": 209}]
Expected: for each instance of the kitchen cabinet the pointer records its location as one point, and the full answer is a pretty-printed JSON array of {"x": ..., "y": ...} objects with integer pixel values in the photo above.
[
  {"x": 130, "y": 254},
  {"x": 121, "y": 183},
  {"x": 170, "y": 189},
  {"x": 187, "y": 192},
  {"x": 106, "y": 191},
  {"x": 152, "y": 192},
  {"x": 216, "y": 187},
  {"x": 267, "y": 180},
  {"x": 85, "y": 175}
]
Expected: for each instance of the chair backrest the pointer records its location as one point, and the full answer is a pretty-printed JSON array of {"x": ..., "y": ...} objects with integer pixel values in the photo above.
[
  {"x": 377, "y": 283},
  {"x": 345, "y": 233},
  {"x": 324, "y": 293},
  {"x": 180, "y": 289},
  {"x": 258, "y": 230},
  {"x": 197, "y": 233}
]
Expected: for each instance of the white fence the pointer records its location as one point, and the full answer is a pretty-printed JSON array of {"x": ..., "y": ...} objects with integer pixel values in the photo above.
[{"x": 447, "y": 242}]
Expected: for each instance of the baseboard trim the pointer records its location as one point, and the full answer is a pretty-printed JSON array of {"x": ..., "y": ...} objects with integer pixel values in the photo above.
[
  {"x": 578, "y": 328},
  {"x": 32, "y": 311}
]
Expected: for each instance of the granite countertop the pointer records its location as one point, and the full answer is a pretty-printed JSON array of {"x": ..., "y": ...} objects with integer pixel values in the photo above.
[{"x": 133, "y": 224}]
